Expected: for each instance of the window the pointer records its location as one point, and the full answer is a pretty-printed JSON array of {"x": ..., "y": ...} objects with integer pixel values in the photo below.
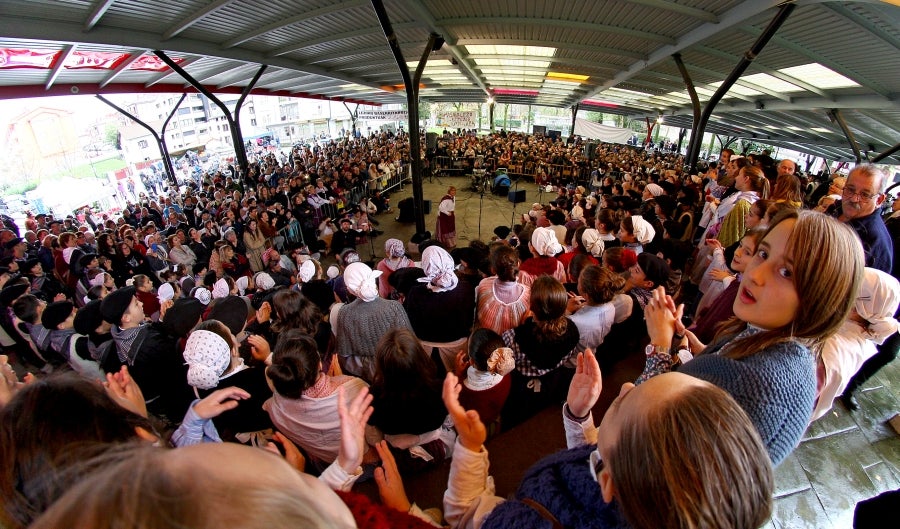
[
  {"x": 142, "y": 144},
  {"x": 252, "y": 122}
]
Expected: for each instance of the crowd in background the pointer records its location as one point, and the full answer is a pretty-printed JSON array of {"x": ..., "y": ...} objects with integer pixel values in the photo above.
[{"x": 238, "y": 310}]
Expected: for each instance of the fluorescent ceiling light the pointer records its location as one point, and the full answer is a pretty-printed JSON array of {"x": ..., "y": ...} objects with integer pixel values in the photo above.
[
  {"x": 505, "y": 49},
  {"x": 563, "y": 76}
]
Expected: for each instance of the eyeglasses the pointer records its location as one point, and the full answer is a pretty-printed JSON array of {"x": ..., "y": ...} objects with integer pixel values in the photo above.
[{"x": 861, "y": 195}]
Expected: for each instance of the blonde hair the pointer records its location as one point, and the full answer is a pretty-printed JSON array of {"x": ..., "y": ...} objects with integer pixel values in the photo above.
[
  {"x": 162, "y": 492},
  {"x": 826, "y": 276}
]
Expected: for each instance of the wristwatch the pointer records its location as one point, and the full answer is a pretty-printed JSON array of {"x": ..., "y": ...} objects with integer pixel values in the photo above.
[{"x": 652, "y": 349}]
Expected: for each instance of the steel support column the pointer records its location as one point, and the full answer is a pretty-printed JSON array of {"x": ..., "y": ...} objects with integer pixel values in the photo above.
[
  {"x": 412, "y": 103},
  {"x": 783, "y": 12},
  {"x": 835, "y": 115},
  {"x": 886, "y": 153},
  {"x": 236, "y": 139},
  {"x": 695, "y": 105},
  {"x": 574, "y": 117},
  {"x": 159, "y": 137}
]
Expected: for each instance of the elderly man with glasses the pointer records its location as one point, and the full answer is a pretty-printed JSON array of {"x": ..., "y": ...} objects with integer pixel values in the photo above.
[{"x": 859, "y": 207}]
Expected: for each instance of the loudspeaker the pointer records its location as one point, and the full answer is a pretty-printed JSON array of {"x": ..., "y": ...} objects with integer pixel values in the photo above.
[
  {"x": 590, "y": 150},
  {"x": 430, "y": 140},
  {"x": 516, "y": 196},
  {"x": 427, "y": 207}
]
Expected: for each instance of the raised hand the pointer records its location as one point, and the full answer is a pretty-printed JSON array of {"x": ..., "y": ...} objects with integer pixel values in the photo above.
[
  {"x": 469, "y": 427},
  {"x": 660, "y": 318},
  {"x": 290, "y": 451},
  {"x": 220, "y": 401},
  {"x": 259, "y": 347},
  {"x": 586, "y": 385},
  {"x": 353, "y": 428},
  {"x": 125, "y": 391},
  {"x": 390, "y": 484}
]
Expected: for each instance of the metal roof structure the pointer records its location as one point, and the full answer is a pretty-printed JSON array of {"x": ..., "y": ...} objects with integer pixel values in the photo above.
[{"x": 613, "y": 56}]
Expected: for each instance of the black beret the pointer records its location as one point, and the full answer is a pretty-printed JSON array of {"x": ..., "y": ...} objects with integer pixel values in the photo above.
[
  {"x": 182, "y": 316},
  {"x": 27, "y": 264},
  {"x": 13, "y": 242},
  {"x": 115, "y": 304},
  {"x": 12, "y": 292},
  {"x": 230, "y": 310},
  {"x": 88, "y": 318},
  {"x": 56, "y": 313},
  {"x": 86, "y": 259}
]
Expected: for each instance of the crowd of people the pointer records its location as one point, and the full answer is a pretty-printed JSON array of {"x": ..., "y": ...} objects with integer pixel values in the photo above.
[{"x": 165, "y": 342}]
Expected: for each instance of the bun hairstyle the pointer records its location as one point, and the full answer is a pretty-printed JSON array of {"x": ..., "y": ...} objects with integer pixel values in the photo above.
[
  {"x": 599, "y": 284},
  {"x": 505, "y": 262},
  {"x": 482, "y": 343},
  {"x": 295, "y": 364}
]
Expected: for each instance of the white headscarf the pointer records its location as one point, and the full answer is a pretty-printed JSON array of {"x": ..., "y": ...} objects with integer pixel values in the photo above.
[
  {"x": 241, "y": 284},
  {"x": 207, "y": 356},
  {"x": 220, "y": 289},
  {"x": 879, "y": 296},
  {"x": 643, "y": 231},
  {"x": 592, "y": 242},
  {"x": 439, "y": 270},
  {"x": 306, "y": 271},
  {"x": 394, "y": 248},
  {"x": 545, "y": 242},
  {"x": 203, "y": 295},
  {"x": 165, "y": 293},
  {"x": 360, "y": 281},
  {"x": 655, "y": 189},
  {"x": 263, "y": 281}
]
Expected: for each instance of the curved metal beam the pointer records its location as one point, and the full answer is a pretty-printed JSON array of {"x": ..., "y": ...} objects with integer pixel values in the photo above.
[{"x": 555, "y": 23}]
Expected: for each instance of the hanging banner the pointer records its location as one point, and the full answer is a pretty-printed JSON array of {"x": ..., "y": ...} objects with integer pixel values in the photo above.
[
  {"x": 464, "y": 119},
  {"x": 383, "y": 115},
  {"x": 16, "y": 58}
]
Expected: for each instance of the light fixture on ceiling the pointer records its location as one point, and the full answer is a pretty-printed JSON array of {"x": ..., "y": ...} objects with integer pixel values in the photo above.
[{"x": 760, "y": 105}]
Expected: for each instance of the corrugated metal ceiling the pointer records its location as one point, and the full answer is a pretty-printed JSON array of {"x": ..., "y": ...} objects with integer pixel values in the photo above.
[{"x": 318, "y": 47}]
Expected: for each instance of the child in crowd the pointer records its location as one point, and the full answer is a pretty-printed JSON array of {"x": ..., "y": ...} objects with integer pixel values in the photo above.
[
  {"x": 785, "y": 308},
  {"x": 484, "y": 371}
]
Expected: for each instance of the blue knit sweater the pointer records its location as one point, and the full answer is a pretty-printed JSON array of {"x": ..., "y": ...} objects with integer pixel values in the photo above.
[
  {"x": 776, "y": 387},
  {"x": 563, "y": 484}
]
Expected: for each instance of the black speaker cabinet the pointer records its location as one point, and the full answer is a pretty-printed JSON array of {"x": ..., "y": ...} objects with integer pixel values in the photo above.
[
  {"x": 516, "y": 196},
  {"x": 430, "y": 140}
]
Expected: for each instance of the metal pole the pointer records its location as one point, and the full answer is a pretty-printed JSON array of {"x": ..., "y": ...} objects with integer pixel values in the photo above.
[
  {"x": 162, "y": 140},
  {"x": 783, "y": 12},
  {"x": 886, "y": 153},
  {"x": 412, "y": 103},
  {"x": 236, "y": 139},
  {"x": 695, "y": 104},
  {"x": 165, "y": 156},
  {"x": 836, "y": 115}
]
